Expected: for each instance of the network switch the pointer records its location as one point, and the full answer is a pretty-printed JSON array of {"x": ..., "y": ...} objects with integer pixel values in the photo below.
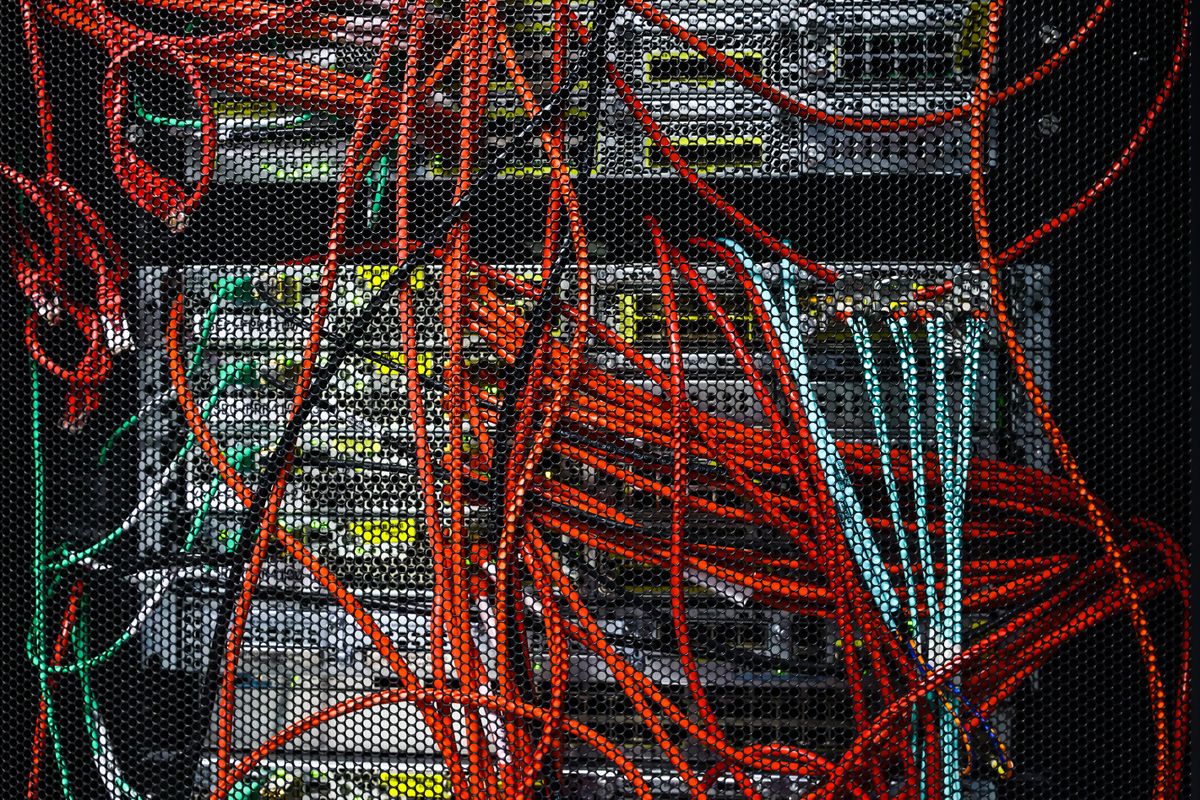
[
  {"x": 853, "y": 59},
  {"x": 307, "y": 778},
  {"x": 763, "y": 44},
  {"x": 730, "y": 135},
  {"x": 301, "y": 777},
  {"x": 627, "y": 301},
  {"x": 351, "y": 500},
  {"x": 353, "y": 494},
  {"x": 261, "y": 141},
  {"x": 730, "y": 140},
  {"x": 897, "y": 47}
]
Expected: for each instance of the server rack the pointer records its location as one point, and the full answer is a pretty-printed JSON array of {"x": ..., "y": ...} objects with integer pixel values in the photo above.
[{"x": 301, "y": 653}]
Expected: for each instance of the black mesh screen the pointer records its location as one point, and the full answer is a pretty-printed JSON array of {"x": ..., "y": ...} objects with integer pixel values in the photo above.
[{"x": 596, "y": 399}]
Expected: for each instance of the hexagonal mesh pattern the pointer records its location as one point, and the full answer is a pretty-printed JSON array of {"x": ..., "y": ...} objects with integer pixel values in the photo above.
[{"x": 597, "y": 399}]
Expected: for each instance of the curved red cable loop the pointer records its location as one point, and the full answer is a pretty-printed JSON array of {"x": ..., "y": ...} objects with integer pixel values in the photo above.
[
  {"x": 152, "y": 191},
  {"x": 580, "y": 398}
]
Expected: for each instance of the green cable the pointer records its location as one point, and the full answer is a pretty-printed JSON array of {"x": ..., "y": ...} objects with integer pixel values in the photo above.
[
  {"x": 210, "y": 318},
  {"x": 233, "y": 373},
  {"x": 195, "y": 124},
  {"x": 157, "y": 119},
  {"x": 40, "y": 595},
  {"x": 229, "y": 376},
  {"x": 239, "y": 289},
  {"x": 377, "y": 179},
  {"x": 47, "y": 575},
  {"x": 44, "y": 584},
  {"x": 202, "y": 342},
  {"x": 202, "y": 513},
  {"x": 91, "y": 710},
  {"x": 237, "y": 460},
  {"x": 112, "y": 440}
]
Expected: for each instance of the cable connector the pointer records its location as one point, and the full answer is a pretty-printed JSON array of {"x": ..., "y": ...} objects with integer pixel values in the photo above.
[
  {"x": 241, "y": 373},
  {"x": 238, "y": 289},
  {"x": 116, "y": 334},
  {"x": 1004, "y": 770},
  {"x": 177, "y": 221}
]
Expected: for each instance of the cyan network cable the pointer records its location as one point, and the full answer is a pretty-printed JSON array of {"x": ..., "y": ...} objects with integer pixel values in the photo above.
[
  {"x": 863, "y": 546},
  {"x": 954, "y": 456}
]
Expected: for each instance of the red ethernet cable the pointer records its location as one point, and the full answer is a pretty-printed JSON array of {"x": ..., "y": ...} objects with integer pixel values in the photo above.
[
  {"x": 58, "y": 653},
  {"x": 980, "y": 219},
  {"x": 579, "y": 395}
]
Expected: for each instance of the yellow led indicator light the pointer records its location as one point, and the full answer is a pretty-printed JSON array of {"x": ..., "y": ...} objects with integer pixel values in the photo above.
[
  {"x": 358, "y": 446},
  {"x": 424, "y": 362},
  {"x": 414, "y": 785},
  {"x": 686, "y": 66},
  {"x": 541, "y": 28},
  {"x": 973, "y": 32},
  {"x": 710, "y": 153},
  {"x": 627, "y": 319},
  {"x": 306, "y": 171},
  {"x": 285, "y": 290},
  {"x": 376, "y": 275},
  {"x": 244, "y": 109},
  {"x": 385, "y": 531}
]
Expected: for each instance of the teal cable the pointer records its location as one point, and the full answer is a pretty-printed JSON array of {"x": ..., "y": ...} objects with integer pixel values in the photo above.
[
  {"x": 935, "y": 330},
  {"x": 854, "y": 522},
  {"x": 916, "y": 446},
  {"x": 941, "y": 623},
  {"x": 955, "y": 514},
  {"x": 40, "y": 594},
  {"x": 898, "y": 326},
  {"x": 954, "y": 555},
  {"x": 872, "y": 562},
  {"x": 862, "y": 343}
]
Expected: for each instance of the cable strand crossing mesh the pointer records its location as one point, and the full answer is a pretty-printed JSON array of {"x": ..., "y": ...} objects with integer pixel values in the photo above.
[{"x": 489, "y": 399}]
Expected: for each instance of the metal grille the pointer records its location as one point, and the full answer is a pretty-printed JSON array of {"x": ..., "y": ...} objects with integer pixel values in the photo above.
[{"x": 597, "y": 399}]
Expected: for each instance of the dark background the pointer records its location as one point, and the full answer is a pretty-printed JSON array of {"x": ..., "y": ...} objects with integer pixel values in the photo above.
[{"x": 1122, "y": 297}]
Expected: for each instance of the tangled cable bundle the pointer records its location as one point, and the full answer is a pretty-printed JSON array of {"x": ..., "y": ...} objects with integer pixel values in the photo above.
[{"x": 574, "y": 441}]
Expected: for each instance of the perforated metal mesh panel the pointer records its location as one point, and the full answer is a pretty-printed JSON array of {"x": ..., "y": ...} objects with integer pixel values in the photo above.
[{"x": 596, "y": 399}]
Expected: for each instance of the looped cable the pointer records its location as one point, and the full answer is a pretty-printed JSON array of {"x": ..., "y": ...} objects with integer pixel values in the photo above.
[{"x": 153, "y": 192}]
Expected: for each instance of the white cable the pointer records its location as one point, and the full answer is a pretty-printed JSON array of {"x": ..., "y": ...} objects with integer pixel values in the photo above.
[{"x": 486, "y": 634}]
